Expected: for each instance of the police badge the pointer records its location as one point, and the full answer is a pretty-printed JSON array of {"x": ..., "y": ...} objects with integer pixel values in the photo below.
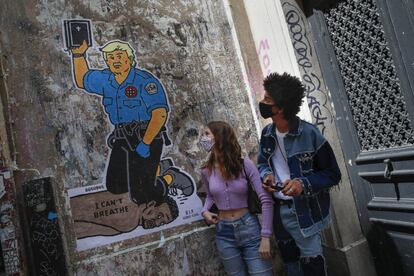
[
  {"x": 151, "y": 88},
  {"x": 131, "y": 91}
]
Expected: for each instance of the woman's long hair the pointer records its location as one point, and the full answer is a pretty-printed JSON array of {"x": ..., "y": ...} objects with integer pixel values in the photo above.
[{"x": 226, "y": 152}]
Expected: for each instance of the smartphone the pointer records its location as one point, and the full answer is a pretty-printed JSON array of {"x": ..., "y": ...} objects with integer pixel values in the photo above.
[{"x": 278, "y": 186}]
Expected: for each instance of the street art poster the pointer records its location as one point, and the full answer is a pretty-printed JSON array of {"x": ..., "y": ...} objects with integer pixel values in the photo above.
[{"x": 143, "y": 191}]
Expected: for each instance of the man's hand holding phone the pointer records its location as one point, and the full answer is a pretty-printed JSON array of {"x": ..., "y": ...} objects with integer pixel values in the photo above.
[
  {"x": 292, "y": 187},
  {"x": 270, "y": 185}
]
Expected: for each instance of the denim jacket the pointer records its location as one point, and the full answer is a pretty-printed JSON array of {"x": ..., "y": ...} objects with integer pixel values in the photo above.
[{"x": 310, "y": 158}]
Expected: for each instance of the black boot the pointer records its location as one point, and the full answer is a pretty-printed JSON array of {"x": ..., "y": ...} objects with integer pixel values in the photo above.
[{"x": 313, "y": 266}]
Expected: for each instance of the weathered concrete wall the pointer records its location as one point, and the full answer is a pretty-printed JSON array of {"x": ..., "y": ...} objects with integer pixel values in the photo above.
[
  {"x": 60, "y": 132},
  {"x": 254, "y": 75},
  {"x": 11, "y": 235}
]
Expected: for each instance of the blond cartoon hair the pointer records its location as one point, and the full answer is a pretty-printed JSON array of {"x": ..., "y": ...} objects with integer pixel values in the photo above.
[{"x": 118, "y": 45}]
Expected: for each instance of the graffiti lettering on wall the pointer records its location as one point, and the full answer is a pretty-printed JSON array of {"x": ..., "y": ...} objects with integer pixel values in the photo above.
[
  {"x": 263, "y": 55},
  {"x": 49, "y": 258},
  {"x": 317, "y": 98},
  {"x": 143, "y": 190}
]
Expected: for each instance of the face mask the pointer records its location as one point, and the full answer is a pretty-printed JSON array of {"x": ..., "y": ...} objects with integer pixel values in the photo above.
[
  {"x": 207, "y": 143},
  {"x": 265, "y": 110}
]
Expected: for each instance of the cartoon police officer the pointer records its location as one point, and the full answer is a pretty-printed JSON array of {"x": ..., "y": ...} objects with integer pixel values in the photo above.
[{"x": 137, "y": 106}]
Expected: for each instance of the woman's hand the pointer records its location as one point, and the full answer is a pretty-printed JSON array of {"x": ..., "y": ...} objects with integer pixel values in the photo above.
[
  {"x": 210, "y": 218},
  {"x": 264, "y": 249}
]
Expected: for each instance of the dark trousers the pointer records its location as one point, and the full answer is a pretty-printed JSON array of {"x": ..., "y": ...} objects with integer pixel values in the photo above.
[{"x": 127, "y": 171}]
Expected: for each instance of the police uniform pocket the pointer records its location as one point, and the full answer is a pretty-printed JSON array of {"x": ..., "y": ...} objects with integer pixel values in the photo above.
[
  {"x": 107, "y": 101},
  {"x": 132, "y": 103}
]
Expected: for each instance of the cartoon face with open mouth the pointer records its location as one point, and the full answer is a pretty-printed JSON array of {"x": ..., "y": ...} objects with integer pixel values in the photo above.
[{"x": 155, "y": 216}]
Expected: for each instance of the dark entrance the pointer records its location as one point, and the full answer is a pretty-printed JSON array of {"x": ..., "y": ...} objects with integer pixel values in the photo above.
[{"x": 366, "y": 51}]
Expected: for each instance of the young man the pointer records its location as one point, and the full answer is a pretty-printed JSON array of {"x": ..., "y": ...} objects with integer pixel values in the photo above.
[{"x": 298, "y": 166}]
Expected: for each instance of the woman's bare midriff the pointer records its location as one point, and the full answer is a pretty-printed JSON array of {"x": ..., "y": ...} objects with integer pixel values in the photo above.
[{"x": 232, "y": 214}]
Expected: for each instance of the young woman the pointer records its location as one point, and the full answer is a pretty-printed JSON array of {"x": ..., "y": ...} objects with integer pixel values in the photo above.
[{"x": 242, "y": 244}]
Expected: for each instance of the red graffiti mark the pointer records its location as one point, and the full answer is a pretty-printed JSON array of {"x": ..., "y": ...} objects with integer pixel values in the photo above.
[{"x": 263, "y": 55}]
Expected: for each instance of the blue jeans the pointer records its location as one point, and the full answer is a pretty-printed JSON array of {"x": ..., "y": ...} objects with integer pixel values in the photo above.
[
  {"x": 305, "y": 248},
  {"x": 238, "y": 244}
]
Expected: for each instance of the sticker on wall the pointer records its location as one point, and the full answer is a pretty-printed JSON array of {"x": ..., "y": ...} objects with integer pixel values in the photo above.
[{"x": 143, "y": 191}]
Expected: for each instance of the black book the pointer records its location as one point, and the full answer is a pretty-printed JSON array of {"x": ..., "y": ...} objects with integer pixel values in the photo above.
[{"x": 76, "y": 31}]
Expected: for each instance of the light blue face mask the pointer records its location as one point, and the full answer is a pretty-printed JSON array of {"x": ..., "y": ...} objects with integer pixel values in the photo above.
[{"x": 207, "y": 143}]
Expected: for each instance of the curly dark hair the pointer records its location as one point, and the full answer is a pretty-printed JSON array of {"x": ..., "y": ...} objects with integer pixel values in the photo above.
[
  {"x": 227, "y": 150},
  {"x": 287, "y": 91}
]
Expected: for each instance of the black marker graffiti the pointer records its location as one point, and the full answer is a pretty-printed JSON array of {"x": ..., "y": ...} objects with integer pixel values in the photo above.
[
  {"x": 313, "y": 103},
  {"x": 316, "y": 98},
  {"x": 44, "y": 228}
]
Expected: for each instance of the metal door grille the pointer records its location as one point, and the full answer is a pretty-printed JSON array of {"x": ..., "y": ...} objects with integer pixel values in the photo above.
[{"x": 371, "y": 83}]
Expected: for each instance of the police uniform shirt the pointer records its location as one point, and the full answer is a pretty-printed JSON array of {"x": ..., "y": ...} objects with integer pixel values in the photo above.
[{"x": 133, "y": 100}]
